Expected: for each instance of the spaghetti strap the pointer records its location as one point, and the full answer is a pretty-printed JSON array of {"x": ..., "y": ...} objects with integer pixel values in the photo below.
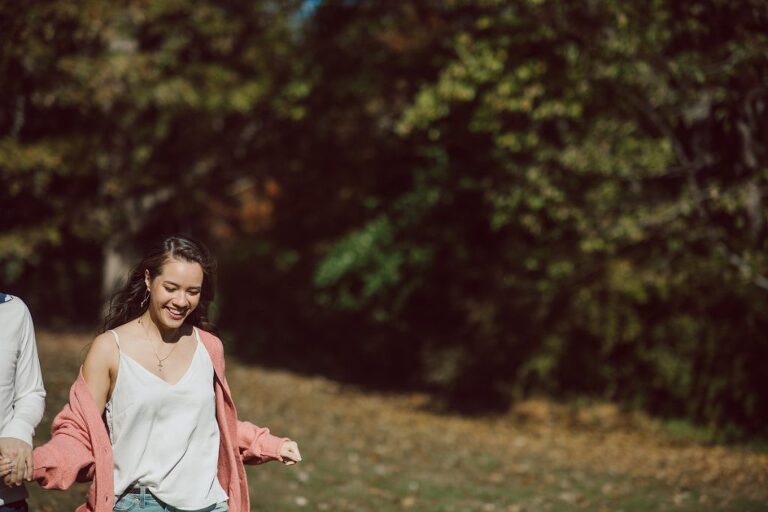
[{"x": 117, "y": 338}]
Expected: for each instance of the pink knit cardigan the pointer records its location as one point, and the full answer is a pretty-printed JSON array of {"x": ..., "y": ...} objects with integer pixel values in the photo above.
[{"x": 80, "y": 449}]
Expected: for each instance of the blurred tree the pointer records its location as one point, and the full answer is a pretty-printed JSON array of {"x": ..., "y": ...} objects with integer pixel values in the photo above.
[
  {"x": 123, "y": 121},
  {"x": 571, "y": 197}
]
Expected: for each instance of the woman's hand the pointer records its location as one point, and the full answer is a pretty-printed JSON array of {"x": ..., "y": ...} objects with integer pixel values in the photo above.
[
  {"x": 15, "y": 461},
  {"x": 289, "y": 451}
]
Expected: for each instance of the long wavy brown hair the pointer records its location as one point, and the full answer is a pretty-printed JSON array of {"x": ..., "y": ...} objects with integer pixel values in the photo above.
[{"x": 126, "y": 303}]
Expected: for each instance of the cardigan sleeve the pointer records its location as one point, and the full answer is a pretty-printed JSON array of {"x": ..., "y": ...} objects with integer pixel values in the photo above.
[
  {"x": 256, "y": 444},
  {"x": 67, "y": 458}
]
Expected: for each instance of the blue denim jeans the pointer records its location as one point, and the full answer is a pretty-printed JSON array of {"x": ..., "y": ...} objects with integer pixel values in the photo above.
[
  {"x": 16, "y": 506},
  {"x": 145, "y": 501}
]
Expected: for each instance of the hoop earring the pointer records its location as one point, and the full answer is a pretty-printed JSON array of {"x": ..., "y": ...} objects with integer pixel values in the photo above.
[{"x": 146, "y": 298}]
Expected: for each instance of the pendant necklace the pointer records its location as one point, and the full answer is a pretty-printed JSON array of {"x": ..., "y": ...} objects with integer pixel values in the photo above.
[{"x": 152, "y": 346}]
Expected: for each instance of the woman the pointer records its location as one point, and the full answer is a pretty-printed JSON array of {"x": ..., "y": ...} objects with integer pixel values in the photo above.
[{"x": 172, "y": 439}]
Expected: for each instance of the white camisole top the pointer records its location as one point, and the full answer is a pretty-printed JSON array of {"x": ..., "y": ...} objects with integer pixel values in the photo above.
[{"x": 165, "y": 436}]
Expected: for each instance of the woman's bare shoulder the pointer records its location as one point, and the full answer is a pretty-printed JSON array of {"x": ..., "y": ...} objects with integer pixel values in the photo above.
[{"x": 103, "y": 350}]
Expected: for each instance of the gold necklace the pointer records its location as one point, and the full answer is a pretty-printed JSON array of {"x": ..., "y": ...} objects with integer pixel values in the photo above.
[{"x": 152, "y": 346}]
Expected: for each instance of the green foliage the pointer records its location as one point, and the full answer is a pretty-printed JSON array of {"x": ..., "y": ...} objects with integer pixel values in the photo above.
[{"x": 590, "y": 202}]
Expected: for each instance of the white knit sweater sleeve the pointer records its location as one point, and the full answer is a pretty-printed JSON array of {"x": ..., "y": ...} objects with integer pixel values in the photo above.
[{"x": 28, "y": 393}]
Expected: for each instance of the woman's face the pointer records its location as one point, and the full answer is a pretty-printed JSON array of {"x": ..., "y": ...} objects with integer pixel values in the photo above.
[{"x": 175, "y": 292}]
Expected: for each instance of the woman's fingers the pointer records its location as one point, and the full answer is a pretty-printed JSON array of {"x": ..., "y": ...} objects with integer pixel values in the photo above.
[
  {"x": 29, "y": 467},
  {"x": 9, "y": 474},
  {"x": 290, "y": 452},
  {"x": 18, "y": 473},
  {"x": 6, "y": 466},
  {"x": 12, "y": 472}
]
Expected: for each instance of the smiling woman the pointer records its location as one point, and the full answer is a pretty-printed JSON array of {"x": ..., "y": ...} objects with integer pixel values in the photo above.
[
  {"x": 178, "y": 257},
  {"x": 157, "y": 374}
]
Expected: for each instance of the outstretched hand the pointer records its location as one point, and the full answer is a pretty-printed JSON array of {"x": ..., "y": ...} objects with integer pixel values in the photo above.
[
  {"x": 289, "y": 451},
  {"x": 15, "y": 461}
]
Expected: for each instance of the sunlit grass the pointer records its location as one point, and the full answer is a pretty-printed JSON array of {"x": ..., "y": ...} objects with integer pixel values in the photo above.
[{"x": 365, "y": 451}]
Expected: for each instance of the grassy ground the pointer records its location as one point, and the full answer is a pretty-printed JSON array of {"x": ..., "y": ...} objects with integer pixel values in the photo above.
[{"x": 375, "y": 452}]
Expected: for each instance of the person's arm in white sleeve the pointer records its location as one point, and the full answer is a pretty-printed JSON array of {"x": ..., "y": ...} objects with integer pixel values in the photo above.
[{"x": 29, "y": 393}]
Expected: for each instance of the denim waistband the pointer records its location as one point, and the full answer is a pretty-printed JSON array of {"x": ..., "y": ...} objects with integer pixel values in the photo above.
[{"x": 146, "y": 500}]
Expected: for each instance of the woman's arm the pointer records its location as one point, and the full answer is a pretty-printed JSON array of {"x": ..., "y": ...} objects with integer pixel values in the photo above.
[
  {"x": 69, "y": 455},
  {"x": 100, "y": 368},
  {"x": 257, "y": 445}
]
